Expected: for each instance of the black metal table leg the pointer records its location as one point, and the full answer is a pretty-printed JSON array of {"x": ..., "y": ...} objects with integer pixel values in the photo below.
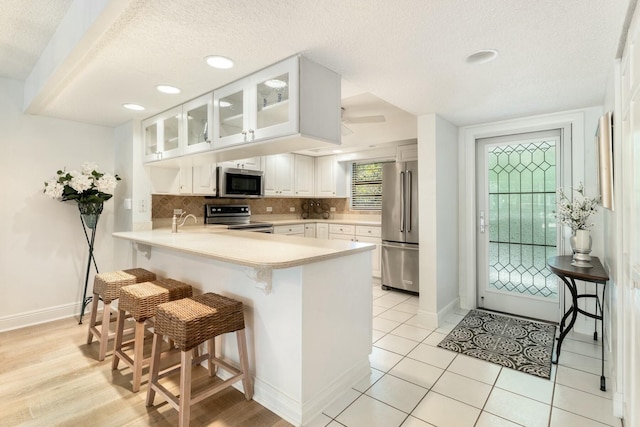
[{"x": 573, "y": 312}]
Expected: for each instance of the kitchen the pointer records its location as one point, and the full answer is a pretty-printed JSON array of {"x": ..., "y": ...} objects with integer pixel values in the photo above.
[{"x": 55, "y": 245}]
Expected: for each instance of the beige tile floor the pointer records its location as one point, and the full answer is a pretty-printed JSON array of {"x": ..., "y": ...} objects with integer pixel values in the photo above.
[{"x": 414, "y": 383}]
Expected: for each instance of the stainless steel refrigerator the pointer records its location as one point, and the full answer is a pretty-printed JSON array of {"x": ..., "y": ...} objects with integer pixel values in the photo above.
[{"x": 400, "y": 226}]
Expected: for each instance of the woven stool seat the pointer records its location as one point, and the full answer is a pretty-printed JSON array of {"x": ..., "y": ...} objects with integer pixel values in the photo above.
[
  {"x": 106, "y": 287},
  {"x": 189, "y": 322},
  {"x": 141, "y": 301},
  {"x": 192, "y": 321}
]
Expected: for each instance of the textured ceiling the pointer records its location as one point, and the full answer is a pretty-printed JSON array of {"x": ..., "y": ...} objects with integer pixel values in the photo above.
[{"x": 554, "y": 55}]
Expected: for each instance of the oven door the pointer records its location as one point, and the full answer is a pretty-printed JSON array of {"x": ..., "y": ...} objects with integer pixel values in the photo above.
[{"x": 240, "y": 183}]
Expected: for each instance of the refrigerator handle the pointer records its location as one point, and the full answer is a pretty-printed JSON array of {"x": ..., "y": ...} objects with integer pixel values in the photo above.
[
  {"x": 402, "y": 195},
  {"x": 409, "y": 179}
]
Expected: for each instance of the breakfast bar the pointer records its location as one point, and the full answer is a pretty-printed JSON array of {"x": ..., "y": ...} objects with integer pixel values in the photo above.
[{"x": 308, "y": 306}]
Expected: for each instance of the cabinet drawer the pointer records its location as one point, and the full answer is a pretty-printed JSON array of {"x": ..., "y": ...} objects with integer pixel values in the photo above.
[
  {"x": 289, "y": 229},
  {"x": 371, "y": 231},
  {"x": 342, "y": 229}
]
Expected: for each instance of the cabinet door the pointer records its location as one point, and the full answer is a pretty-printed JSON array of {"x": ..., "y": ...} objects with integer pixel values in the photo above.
[
  {"x": 322, "y": 231},
  {"x": 230, "y": 114},
  {"x": 310, "y": 230},
  {"x": 274, "y": 103},
  {"x": 150, "y": 137},
  {"x": 170, "y": 133},
  {"x": 376, "y": 261},
  {"x": 204, "y": 179},
  {"x": 279, "y": 175},
  {"x": 304, "y": 174},
  {"x": 198, "y": 117},
  {"x": 186, "y": 180},
  {"x": 326, "y": 176}
]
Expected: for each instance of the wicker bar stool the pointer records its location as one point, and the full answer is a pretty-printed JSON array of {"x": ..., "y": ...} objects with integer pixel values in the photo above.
[
  {"x": 140, "y": 301},
  {"x": 106, "y": 287},
  {"x": 190, "y": 322}
]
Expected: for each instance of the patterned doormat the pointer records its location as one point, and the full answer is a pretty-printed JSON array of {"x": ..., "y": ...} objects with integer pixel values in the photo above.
[{"x": 515, "y": 343}]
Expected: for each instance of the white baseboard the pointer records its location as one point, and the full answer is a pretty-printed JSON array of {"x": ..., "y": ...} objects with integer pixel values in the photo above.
[
  {"x": 292, "y": 410},
  {"x": 449, "y": 309},
  {"x": 36, "y": 317}
]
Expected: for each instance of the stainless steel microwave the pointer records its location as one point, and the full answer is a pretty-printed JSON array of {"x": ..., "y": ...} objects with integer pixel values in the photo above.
[{"x": 240, "y": 183}]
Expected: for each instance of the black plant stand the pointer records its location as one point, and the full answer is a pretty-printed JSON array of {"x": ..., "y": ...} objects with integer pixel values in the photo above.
[{"x": 90, "y": 241}]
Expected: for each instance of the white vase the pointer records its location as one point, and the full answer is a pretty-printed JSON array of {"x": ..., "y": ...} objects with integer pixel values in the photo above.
[{"x": 581, "y": 246}]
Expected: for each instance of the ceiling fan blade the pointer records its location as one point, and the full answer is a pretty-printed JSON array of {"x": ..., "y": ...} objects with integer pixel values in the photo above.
[{"x": 364, "y": 119}]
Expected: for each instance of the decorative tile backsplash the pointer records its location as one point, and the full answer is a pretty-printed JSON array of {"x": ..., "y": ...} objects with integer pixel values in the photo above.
[{"x": 163, "y": 205}]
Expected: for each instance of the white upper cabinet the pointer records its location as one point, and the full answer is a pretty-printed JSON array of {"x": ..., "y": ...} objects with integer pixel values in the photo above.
[
  {"x": 252, "y": 163},
  {"x": 279, "y": 175},
  {"x": 162, "y": 135},
  {"x": 295, "y": 96},
  {"x": 304, "y": 176},
  {"x": 204, "y": 180},
  {"x": 197, "y": 120},
  {"x": 330, "y": 177}
]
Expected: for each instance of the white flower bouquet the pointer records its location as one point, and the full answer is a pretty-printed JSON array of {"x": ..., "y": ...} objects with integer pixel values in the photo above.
[
  {"x": 576, "y": 213},
  {"x": 87, "y": 186}
]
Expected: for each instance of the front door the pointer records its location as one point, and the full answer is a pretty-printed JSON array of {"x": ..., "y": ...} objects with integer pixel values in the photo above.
[{"x": 517, "y": 230}]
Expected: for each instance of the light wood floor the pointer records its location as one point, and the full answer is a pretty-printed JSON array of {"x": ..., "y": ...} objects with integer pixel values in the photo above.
[{"x": 49, "y": 376}]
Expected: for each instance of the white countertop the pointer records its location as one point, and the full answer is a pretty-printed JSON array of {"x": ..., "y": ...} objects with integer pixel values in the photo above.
[
  {"x": 258, "y": 250},
  {"x": 326, "y": 221}
]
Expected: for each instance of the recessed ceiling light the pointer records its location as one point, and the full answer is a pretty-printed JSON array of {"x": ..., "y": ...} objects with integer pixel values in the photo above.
[
  {"x": 167, "y": 89},
  {"x": 482, "y": 56},
  {"x": 220, "y": 62},
  {"x": 337, "y": 151},
  {"x": 275, "y": 84},
  {"x": 224, "y": 104},
  {"x": 134, "y": 107}
]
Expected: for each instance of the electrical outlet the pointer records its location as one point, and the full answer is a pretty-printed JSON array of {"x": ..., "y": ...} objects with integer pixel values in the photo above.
[
  {"x": 142, "y": 205},
  {"x": 332, "y": 209},
  {"x": 177, "y": 211},
  {"x": 292, "y": 209},
  {"x": 269, "y": 209}
]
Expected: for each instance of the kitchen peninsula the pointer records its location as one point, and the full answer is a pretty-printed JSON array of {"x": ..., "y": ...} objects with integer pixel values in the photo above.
[{"x": 307, "y": 304}]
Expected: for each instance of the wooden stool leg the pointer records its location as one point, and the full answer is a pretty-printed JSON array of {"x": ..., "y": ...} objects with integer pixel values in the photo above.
[
  {"x": 244, "y": 363},
  {"x": 94, "y": 313},
  {"x": 154, "y": 368},
  {"x": 185, "y": 388},
  {"x": 117, "y": 342},
  {"x": 211, "y": 348},
  {"x": 104, "y": 335},
  {"x": 138, "y": 347}
]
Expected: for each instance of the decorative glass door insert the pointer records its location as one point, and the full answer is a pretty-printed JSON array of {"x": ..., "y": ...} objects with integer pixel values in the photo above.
[{"x": 517, "y": 228}]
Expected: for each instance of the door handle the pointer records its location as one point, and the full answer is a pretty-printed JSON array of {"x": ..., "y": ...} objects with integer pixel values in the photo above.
[
  {"x": 402, "y": 207},
  {"x": 409, "y": 178},
  {"x": 483, "y": 224}
]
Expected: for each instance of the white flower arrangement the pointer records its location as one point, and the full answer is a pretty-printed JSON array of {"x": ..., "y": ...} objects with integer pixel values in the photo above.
[
  {"x": 576, "y": 213},
  {"x": 88, "y": 186}
]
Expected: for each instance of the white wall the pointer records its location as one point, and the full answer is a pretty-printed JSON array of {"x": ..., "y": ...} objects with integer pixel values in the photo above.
[
  {"x": 43, "y": 253},
  {"x": 438, "y": 170}
]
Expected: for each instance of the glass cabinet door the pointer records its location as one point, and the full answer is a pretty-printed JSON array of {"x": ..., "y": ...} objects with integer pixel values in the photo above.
[
  {"x": 150, "y": 139},
  {"x": 272, "y": 100},
  {"x": 171, "y": 127},
  {"x": 230, "y": 116},
  {"x": 197, "y": 124}
]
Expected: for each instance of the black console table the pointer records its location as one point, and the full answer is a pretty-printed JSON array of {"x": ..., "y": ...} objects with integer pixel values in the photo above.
[{"x": 561, "y": 267}]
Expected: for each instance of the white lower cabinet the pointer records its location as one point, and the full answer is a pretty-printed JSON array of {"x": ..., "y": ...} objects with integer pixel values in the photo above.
[
  {"x": 322, "y": 231},
  {"x": 289, "y": 230},
  {"x": 310, "y": 230}
]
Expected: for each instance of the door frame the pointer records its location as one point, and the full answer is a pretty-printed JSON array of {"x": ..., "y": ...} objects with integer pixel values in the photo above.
[{"x": 572, "y": 125}]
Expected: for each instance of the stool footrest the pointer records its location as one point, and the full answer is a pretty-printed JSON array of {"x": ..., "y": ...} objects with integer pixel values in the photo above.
[{"x": 195, "y": 398}]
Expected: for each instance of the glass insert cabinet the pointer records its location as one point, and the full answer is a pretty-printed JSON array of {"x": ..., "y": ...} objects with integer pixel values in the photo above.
[{"x": 263, "y": 105}]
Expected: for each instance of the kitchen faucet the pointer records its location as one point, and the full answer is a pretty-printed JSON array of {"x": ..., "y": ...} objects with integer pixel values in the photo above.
[{"x": 175, "y": 222}]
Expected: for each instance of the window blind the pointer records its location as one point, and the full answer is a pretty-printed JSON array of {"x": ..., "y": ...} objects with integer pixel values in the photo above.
[{"x": 366, "y": 186}]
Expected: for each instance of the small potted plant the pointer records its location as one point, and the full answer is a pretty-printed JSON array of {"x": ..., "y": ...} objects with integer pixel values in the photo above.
[{"x": 575, "y": 214}]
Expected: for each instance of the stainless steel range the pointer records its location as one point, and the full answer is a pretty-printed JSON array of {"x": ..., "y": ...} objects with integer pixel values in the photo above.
[{"x": 235, "y": 217}]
